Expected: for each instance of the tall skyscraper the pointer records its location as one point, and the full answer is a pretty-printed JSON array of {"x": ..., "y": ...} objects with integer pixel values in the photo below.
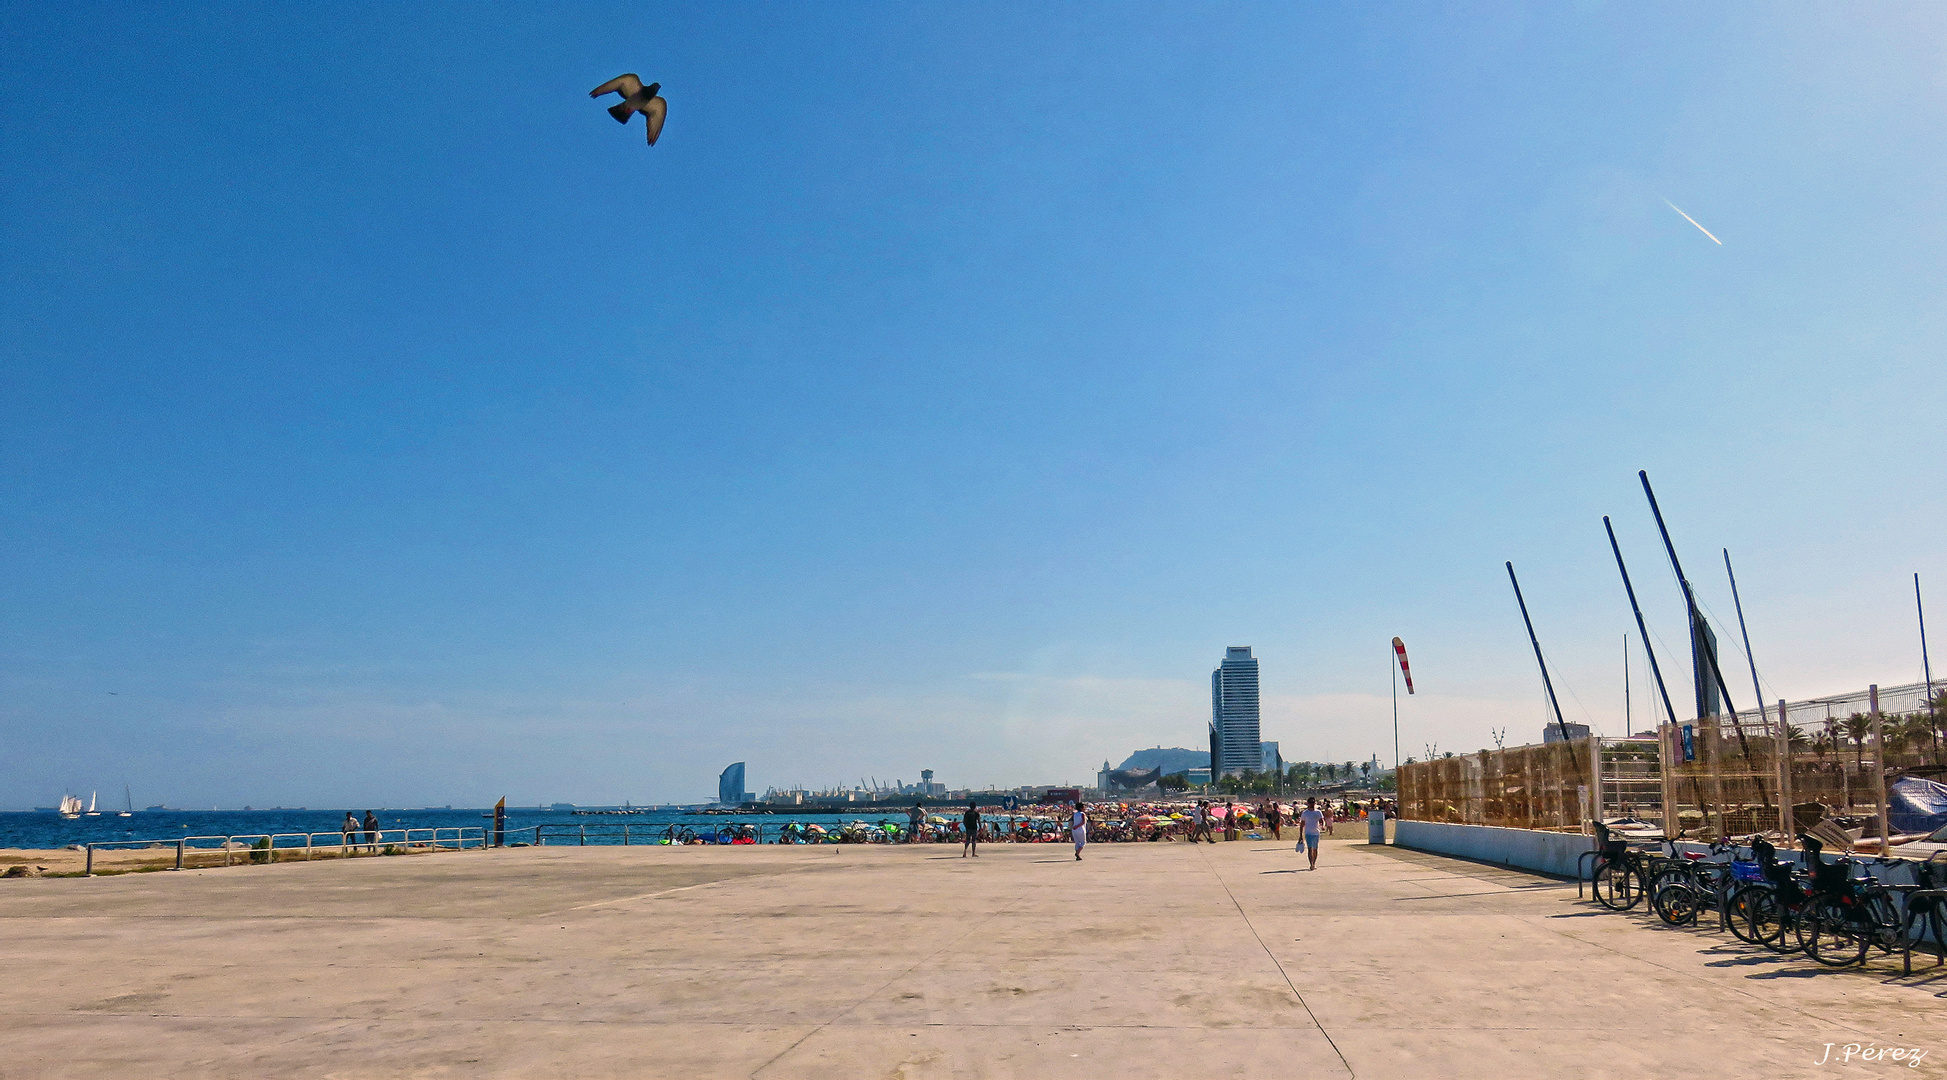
[
  {"x": 1233, "y": 713},
  {"x": 730, "y": 785}
]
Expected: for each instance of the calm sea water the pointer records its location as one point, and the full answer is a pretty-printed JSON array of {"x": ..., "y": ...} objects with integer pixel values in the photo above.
[{"x": 40, "y": 829}]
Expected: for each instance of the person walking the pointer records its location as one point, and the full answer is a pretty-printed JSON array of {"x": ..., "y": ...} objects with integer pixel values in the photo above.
[
  {"x": 1078, "y": 828},
  {"x": 371, "y": 830},
  {"x": 970, "y": 831},
  {"x": 349, "y": 826},
  {"x": 1310, "y": 820},
  {"x": 914, "y": 817},
  {"x": 1275, "y": 814},
  {"x": 1230, "y": 820}
]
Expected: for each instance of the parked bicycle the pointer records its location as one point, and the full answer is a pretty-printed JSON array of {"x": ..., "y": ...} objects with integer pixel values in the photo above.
[
  {"x": 1621, "y": 875},
  {"x": 1687, "y": 886}
]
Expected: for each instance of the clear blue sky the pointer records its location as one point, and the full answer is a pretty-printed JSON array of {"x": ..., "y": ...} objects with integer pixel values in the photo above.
[{"x": 381, "y": 423}]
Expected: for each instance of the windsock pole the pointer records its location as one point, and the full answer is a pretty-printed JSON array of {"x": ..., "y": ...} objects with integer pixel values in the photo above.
[{"x": 1399, "y": 653}]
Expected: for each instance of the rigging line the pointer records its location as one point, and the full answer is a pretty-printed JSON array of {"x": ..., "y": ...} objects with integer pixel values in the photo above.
[
  {"x": 1252, "y": 927},
  {"x": 1712, "y": 615},
  {"x": 1590, "y": 717}
]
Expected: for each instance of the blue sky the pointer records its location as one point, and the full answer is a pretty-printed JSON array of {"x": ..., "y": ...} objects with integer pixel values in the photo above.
[{"x": 380, "y": 423}]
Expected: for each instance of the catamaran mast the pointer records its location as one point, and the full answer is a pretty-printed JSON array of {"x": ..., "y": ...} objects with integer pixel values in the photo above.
[{"x": 1546, "y": 683}]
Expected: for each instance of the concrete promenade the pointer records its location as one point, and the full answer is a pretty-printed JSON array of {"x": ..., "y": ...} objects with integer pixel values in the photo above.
[{"x": 1153, "y": 960}]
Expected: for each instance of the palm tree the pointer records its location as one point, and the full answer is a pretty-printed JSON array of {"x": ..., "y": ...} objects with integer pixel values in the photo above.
[
  {"x": 1858, "y": 726},
  {"x": 1904, "y": 731},
  {"x": 1795, "y": 739}
]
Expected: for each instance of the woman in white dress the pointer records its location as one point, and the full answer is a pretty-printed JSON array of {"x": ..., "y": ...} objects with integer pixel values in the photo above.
[{"x": 1078, "y": 828}]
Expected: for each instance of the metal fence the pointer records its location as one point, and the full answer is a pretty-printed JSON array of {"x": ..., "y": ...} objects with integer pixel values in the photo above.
[
  {"x": 1545, "y": 786},
  {"x": 202, "y": 851},
  {"x": 1775, "y": 771}
]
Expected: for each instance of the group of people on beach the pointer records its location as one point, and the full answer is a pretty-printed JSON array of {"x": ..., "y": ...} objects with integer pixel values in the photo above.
[
  {"x": 351, "y": 828},
  {"x": 970, "y": 829},
  {"x": 1313, "y": 822},
  {"x": 1044, "y": 824}
]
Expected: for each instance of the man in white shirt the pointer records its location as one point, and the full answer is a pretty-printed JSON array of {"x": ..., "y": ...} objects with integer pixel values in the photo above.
[
  {"x": 1311, "y": 819},
  {"x": 1078, "y": 828}
]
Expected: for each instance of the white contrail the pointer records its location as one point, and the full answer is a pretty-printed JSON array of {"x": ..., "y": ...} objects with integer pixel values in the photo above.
[{"x": 1693, "y": 221}]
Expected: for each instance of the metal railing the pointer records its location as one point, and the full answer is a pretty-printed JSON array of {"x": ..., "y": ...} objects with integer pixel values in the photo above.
[{"x": 281, "y": 847}]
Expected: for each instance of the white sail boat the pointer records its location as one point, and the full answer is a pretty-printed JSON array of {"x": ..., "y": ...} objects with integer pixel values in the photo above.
[
  {"x": 70, "y": 807},
  {"x": 92, "y": 812},
  {"x": 128, "y": 797}
]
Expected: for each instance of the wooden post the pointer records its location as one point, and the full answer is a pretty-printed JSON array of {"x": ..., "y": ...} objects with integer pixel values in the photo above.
[
  {"x": 1595, "y": 779},
  {"x": 1708, "y": 727},
  {"x": 1787, "y": 820},
  {"x": 1668, "y": 735},
  {"x": 1879, "y": 769}
]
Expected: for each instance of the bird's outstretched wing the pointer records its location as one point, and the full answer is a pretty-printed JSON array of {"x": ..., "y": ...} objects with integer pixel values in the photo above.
[
  {"x": 653, "y": 114},
  {"x": 626, "y": 85}
]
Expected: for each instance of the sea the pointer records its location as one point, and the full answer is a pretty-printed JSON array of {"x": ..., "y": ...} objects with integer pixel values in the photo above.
[{"x": 47, "y": 830}]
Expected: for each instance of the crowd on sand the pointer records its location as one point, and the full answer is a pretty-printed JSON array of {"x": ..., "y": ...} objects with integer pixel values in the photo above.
[{"x": 1105, "y": 822}]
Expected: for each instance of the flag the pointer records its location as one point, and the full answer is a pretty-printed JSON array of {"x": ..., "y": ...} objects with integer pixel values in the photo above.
[{"x": 1399, "y": 650}]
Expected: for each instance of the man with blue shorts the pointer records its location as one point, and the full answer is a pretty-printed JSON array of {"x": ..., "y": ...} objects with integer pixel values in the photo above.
[{"x": 1311, "y": 819}]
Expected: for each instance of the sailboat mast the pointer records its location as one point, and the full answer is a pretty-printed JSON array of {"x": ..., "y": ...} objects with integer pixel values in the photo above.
[
  {"x": 1756, "y": 690},
  {"x": 1926, "y": 667},
  {"x": 1546, "y": 683},
  {"x": 1641, "y": 629}
]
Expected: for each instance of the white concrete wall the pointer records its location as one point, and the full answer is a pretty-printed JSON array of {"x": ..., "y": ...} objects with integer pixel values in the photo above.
[{"x": 1528, "y": 849}]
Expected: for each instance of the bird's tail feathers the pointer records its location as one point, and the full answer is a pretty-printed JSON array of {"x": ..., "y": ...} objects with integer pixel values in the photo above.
[{"x": 621, "y": 112}]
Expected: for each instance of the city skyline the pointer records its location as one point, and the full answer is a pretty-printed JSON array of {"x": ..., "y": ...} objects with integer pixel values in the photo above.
[{"x": 380, "y": 458}]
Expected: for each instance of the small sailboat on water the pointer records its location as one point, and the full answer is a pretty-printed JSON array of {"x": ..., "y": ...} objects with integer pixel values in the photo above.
[
  {"x": 70, "y": 807},
  {"x": 92, "y": 812},
  {"x": 129, "y": 798}
]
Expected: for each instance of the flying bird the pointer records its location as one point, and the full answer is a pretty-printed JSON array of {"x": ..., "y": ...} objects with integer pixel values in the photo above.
[
  {"x": 636, "y": 98},
  {"x": 1667, "y": 203}
]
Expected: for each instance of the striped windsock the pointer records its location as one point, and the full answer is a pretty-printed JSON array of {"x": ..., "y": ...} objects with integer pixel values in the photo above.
[{"x": 1399, "y": 650}]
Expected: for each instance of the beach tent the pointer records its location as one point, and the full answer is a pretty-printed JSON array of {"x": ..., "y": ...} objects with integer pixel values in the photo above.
[{"x": 1915, "y": 805}]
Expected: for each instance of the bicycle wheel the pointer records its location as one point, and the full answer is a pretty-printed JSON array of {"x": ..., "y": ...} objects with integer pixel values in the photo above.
[
  {"x": 1831, "y": 939},
  {"x": 1676, "y": 903},
  {"x": 1737, "y": 912},
  {"x": 1616, "y": 887},
  {"x": 1666, "y": 875},
  {"x": 1764, "y": 917},
  {"x": 1888, "y": 930}
]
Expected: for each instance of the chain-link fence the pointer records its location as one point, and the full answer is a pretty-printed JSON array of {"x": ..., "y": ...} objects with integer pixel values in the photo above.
[{"x": 1828, "y": 760}]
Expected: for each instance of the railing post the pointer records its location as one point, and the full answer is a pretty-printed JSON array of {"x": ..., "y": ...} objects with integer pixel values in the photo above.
[
  {"x": 625, "y": 834},
  {"x": 91, "y": 860},
  {"x": 584, "y": 836},
  {"x": 227, "y": 841},
  {"x": 179, "y": 854}
]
